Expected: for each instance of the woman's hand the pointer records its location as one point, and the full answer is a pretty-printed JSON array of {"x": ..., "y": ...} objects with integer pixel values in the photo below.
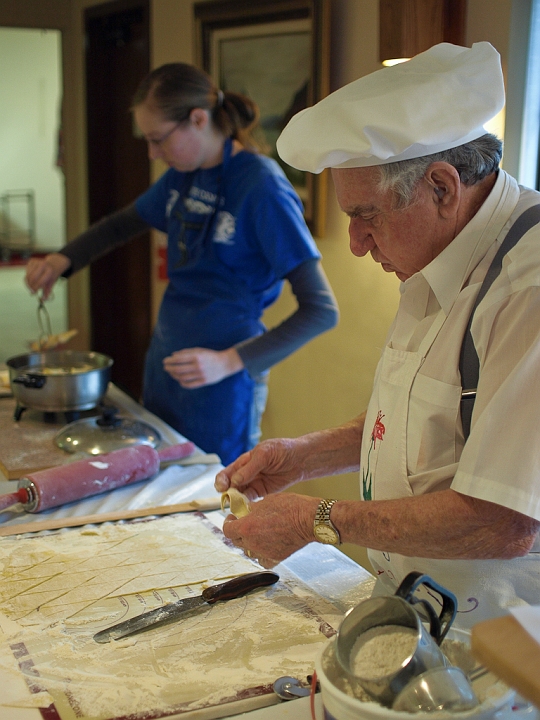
[
  {"x": 42, "y": 273},
  {"x": 197, "y": 367}
]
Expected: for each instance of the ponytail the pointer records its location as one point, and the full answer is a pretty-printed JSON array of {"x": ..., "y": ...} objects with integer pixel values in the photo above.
[{"x": 175, "y": 89}]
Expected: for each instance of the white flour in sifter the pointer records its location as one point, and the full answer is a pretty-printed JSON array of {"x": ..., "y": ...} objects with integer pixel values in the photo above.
[{"x": 381, "y": 651}]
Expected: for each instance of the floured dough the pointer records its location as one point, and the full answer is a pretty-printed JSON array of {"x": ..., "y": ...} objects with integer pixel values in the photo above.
[
  {"x": 63, "y": 571},
  {"x": 237, "y": 501},
  {"x": 229, "y": 651}
]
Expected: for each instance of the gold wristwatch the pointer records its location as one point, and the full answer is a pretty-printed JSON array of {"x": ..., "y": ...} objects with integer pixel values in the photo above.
[{"x": 323, "y": 528}]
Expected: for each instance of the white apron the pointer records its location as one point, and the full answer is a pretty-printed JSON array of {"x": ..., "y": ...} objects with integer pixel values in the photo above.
[{"x": 484, "y": 588}]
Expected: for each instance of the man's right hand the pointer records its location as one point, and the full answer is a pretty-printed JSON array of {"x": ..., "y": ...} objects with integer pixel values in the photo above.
[
  {"x": 271, "y": 466},
  {"x": 276, "y": 464},
  {"x": 42, "y": 273}
]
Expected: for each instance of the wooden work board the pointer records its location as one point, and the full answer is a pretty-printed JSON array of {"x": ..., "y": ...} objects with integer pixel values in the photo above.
[
  {"x": 507, "y": 649},
  {"x": 58, "y": 590},
  {"x": 27, "y": 445}
]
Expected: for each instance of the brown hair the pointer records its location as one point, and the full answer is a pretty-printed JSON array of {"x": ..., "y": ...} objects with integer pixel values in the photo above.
[{"x": 177, "y": 88}]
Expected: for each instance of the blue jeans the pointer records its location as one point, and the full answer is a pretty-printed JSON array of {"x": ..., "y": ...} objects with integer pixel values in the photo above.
[{"x": 260, "y": 396}]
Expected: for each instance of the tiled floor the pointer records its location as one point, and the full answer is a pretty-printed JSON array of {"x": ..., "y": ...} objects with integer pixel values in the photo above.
[{"x": 18, "y": 312}]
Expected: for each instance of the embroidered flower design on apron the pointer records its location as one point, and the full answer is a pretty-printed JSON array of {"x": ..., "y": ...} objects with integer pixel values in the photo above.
[{"x": 376, "y": 434}]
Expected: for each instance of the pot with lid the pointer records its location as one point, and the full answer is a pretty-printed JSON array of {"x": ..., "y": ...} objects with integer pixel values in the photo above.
[{"x": 59, "y": 381}]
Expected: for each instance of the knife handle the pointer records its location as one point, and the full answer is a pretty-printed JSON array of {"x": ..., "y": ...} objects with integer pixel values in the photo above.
[{"x": 238, "y": 586}]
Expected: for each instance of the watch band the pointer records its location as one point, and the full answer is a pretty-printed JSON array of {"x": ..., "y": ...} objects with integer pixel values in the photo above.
[{"x": 324, "y": 529}]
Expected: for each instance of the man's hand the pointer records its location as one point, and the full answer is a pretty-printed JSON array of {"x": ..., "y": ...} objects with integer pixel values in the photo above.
[
  {"x": 271, "y": 466},
  {"x": 197, "y": 367},
  {"x": 42, "y": 273},
  {"x": 275, "y": 528}
]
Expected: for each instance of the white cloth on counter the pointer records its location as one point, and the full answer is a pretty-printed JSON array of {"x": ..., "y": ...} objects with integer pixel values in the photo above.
[
  {"x": 422, "y": 449},
  {"x": 438, "y": 100},
  {"x": 528, "y": 616}
]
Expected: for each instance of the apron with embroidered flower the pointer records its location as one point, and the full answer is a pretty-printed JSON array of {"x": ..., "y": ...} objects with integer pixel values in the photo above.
[{"x": 484, "y": 588}]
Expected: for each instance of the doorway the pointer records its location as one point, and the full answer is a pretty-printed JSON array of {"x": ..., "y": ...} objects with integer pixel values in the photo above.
[
  {"x": 117, "y": 58},
  {"x": 32, "y": 186}
]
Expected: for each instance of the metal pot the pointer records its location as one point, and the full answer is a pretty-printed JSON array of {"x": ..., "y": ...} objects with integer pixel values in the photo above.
[{"x": 59, "y": 381}]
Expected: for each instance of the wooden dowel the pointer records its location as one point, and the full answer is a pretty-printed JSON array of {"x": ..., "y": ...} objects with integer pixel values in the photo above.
[{"x": 75, "y": 521}]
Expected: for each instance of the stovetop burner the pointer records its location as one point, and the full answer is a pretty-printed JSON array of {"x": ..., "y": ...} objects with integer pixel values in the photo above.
[{"x": 48, "y": 416}]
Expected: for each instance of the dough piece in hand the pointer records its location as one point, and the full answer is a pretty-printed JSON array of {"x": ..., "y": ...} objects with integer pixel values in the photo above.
[{"x": 237, "y": 501}]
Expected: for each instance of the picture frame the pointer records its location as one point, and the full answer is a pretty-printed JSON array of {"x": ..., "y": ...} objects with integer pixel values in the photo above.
[{"x": 278, "y": 53}]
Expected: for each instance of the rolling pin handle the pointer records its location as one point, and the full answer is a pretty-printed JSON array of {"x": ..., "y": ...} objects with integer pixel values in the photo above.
[
  {"x": 27, "y": 487},
  {"x": 20, "y": 496}
]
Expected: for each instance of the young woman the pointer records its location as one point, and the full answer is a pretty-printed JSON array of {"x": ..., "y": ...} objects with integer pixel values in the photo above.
[{"x": 235, "y": 232}]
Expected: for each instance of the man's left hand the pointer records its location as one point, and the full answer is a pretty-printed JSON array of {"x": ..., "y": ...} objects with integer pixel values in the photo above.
[{"x": 276, "y": 527}]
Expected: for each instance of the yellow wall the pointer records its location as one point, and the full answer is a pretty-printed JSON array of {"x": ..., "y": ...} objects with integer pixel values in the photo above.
[{"x": 328, "y": 381}]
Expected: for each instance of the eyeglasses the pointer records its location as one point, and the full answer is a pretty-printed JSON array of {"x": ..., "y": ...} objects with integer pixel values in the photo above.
[{"x": 161, "y": 140}]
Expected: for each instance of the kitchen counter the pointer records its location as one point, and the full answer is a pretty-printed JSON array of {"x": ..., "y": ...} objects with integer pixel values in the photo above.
[
  {"x": 320, "y": 572},
  {"x": 28, "y": 444}
]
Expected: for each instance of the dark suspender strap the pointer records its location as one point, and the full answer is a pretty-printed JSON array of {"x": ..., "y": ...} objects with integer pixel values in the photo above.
[{"x": 469, "y": 364}]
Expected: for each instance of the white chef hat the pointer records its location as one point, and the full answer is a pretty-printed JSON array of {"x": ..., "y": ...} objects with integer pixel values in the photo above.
[{"x": 438, "y": 100}]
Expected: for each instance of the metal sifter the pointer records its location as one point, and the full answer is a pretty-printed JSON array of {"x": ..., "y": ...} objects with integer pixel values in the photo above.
[{"x": 391, "y": 629}]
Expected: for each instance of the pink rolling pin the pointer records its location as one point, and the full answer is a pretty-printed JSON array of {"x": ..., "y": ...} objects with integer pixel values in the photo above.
[{"x": 66, "y": 483}]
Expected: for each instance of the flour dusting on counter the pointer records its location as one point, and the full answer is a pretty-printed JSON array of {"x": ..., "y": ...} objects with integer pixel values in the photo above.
[{"x": 58, "y": 590}]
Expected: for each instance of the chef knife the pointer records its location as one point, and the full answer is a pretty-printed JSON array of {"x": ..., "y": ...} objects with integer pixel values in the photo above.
[{"x": 237, "y": 587}]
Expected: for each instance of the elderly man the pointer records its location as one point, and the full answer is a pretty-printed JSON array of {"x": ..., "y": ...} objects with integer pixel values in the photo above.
[{"x": 419, "y": 178}]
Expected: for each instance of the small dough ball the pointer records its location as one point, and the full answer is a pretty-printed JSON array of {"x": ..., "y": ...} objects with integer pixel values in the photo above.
[{"x": 237, "y": 501}]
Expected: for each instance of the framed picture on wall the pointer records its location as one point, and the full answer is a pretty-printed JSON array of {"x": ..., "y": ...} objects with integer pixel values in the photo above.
[{"x": 277, "y": 53}]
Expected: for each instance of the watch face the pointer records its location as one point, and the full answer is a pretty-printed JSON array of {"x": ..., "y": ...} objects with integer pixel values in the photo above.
[{"x": 326, "y": 534}]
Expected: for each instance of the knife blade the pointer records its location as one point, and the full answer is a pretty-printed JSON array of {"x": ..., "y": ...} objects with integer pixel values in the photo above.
[{"x": 235, "y": 588}]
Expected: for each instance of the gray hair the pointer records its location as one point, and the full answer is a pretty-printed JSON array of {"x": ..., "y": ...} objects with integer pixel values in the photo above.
[{"x": 474, "y": 161}]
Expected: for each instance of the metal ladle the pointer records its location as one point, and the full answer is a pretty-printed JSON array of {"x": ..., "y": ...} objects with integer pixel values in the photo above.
[{"x": 44, "y": 322}]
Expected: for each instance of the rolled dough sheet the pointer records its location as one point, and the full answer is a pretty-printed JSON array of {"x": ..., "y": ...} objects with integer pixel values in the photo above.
[{"x": 223, "y": 658}]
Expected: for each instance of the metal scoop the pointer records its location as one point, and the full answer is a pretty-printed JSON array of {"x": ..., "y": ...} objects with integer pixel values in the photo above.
[{"x": 440, "y": 688}]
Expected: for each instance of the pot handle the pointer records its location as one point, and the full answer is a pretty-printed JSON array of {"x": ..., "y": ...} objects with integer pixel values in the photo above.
[
  {"x": 439, "y": 624},
  {"x": 31, "y": 380}
]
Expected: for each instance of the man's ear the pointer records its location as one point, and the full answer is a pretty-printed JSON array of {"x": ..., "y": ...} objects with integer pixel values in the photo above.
[{"x": 446, "y": 184}]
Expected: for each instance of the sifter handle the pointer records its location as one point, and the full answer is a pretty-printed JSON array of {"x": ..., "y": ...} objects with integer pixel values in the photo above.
[{"x": 440, "y": 624}]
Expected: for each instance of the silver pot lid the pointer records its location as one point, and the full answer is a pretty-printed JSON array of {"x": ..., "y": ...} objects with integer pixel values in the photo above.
[{"x": 95, "y": 437}]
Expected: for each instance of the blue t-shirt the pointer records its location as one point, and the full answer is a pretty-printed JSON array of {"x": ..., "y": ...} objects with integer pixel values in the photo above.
[
  {"x": 234, "y": 232},
  {"x": 256, "y": 234}
]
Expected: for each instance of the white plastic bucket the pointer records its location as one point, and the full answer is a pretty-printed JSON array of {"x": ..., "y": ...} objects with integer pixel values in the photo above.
[{"x": 338, "y": 705}]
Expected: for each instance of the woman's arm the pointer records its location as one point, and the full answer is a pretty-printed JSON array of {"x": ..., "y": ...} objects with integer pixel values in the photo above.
[
  {"x": 102, "y": 237},
  {"x": 107, "y": 234},
  {"x": 317, "y": 312}
]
